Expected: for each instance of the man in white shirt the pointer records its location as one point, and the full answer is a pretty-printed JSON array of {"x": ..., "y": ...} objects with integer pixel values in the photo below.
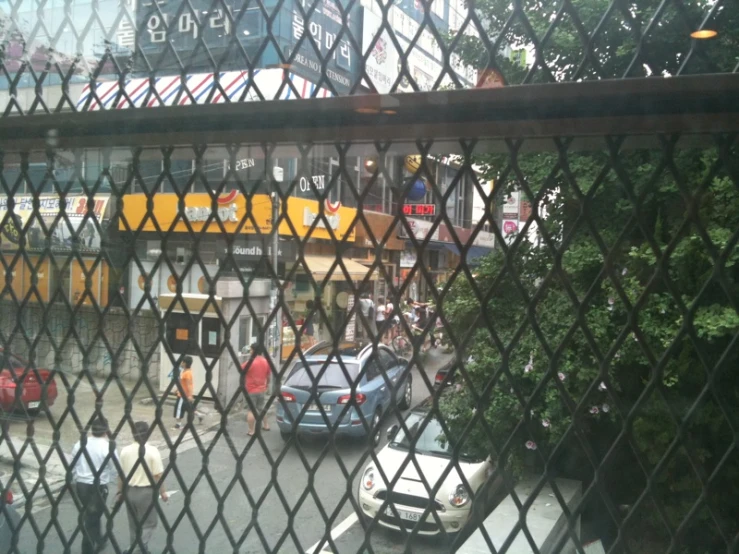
[
  {"x": 142, "y": 471},
  {"x": 94, "y": 469},
  {"x": 367, "y": 308}
]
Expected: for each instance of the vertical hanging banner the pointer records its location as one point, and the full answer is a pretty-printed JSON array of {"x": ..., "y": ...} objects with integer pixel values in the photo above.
[{"x": 351, "y": 328}]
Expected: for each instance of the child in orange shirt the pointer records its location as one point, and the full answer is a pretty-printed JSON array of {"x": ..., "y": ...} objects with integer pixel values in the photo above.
[{"x": 185, "y": 393}]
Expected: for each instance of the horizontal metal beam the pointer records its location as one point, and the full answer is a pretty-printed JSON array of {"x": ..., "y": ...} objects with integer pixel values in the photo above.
[{"x": 692, "y": 104}]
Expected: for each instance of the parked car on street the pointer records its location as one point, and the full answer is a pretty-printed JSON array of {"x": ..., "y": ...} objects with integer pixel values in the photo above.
[
  {"x": 9, "y": 521},
  {"x": 444, "y": 376},
  {"x": 403, "y": 505},
  {"x": 37, "y": 386},
  {"x": 342, "y": 384},
  {"x": 447, "y": 374}
]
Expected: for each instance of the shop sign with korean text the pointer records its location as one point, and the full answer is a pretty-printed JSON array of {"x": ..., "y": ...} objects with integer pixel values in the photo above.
[
  {"x": 49, "y": 209},
  {"x": 324, "y": 25},
  {"x": 163, "y": 21},
  {"x": 420, "y": 229},
  {"x": 230, "y": 214}
]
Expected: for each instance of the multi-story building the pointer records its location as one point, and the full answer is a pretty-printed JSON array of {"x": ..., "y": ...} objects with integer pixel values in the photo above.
[{"x": 327, "y": 62}]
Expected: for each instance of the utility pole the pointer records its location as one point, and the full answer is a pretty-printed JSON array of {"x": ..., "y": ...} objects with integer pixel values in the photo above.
[
  {"x": 275, "y": 289},
  {"x": 278, "y": 176}
]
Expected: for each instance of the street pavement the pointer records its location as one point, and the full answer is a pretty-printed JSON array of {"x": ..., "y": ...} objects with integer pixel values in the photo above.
[{"x": 238, "y": 473}]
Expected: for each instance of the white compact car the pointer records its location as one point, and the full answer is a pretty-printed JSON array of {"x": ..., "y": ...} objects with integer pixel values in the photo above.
[{"x": 405, "y": 504}]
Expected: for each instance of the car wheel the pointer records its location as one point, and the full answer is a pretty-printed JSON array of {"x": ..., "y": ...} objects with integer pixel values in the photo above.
[
  {"x": 405, "y": 402},
  {"x": 286, "y": 435},
  {"x": 375, "y": 432}
]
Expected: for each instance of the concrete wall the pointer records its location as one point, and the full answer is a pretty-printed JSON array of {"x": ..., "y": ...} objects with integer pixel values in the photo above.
[{"x": 75, "y": 335}]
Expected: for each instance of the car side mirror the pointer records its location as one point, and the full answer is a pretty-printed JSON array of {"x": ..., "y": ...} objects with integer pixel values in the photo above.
[{"x": 392, "y": 432}]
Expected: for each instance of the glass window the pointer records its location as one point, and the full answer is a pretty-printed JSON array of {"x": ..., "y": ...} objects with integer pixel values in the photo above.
[
  {"x": 387, "y": 359},
  {"x": 303, "y": 376},
  {"x": 249, "y": 331},
  {"x": 180, "y": 172},
  {"x": 372, "y": 369},
  {"x": 431, "y": 441},
  {"x": 252, "y": 23},
  {"x": 210, "y": 340},
  {"x": 11, "y": 362},
  {"x": 244, "y": 333},
  {"x": 149, "y": 170}
]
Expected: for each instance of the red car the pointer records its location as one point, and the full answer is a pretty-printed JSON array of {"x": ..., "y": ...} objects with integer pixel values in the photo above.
[{"x": 37, "y": 386}]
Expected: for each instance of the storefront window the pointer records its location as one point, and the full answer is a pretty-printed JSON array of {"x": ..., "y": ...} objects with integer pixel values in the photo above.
[
  {"x": 321, "y": 174},
  {"x": 180, "y": 172},
  {"x": 149, "y": 171}
]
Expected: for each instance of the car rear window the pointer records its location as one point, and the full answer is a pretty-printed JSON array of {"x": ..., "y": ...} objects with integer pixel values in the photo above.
[{"x": 303, "y": 375}]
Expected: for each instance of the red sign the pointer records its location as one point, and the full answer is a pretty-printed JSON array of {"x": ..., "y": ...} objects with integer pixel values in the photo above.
[
  {"x": 510, "y": 227},
  {"x": 419, "y": 209},
  {"x": 490, "y": 78}
]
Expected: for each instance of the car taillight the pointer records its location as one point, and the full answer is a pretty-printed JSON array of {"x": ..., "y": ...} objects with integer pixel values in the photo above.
[
  {"x": 288, "y": 397},
  {"x": 439, "y": 377},
  {"x": 359, "y": 398},
  {"x": 9, "y": 497}
]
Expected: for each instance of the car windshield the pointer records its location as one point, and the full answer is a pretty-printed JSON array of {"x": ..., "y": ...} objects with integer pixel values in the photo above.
[
  {"x": 334, "y": 377},
  {"x": 432, "y": 441}
]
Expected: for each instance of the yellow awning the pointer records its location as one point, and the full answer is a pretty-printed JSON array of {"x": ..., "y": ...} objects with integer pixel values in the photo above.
[{"x": 319, "y": 266}]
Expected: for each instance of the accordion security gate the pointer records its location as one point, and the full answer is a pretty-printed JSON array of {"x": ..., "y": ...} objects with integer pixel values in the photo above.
[
  {"x": 585, "y": 285},
  {"x": 580, "y": 260}
]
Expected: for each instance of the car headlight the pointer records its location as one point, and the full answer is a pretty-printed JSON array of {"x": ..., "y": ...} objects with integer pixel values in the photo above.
[
  {"x": 368, "y": 479},
  {"x": 459, "y": 497}
]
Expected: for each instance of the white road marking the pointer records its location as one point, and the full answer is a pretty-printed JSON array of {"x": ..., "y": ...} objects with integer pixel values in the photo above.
[{"x": 337, "y": 531}]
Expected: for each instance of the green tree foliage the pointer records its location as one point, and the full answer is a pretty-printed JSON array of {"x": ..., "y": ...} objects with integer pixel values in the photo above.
[
  {"x": 622, "y": 317},
  {"x": 613, "y": 336}
]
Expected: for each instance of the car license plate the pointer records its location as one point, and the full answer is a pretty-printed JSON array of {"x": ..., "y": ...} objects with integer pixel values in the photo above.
[
  {"x": 408, "y": 516},
  {"x": 314, "y": 408},
  {"x": 33, "y": 405}
]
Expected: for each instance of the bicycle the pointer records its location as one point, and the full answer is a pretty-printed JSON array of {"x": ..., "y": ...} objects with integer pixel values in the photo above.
[{"x": 402, "y": 345}]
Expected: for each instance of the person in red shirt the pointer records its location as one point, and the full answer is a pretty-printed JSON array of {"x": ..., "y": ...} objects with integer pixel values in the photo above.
[{"x": 256, "y": 382}]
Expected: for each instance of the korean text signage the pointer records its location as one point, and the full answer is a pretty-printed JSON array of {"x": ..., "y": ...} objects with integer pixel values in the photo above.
[
  {"x": 419, "y": 209},
  {"x": 324, "y": 25},
  {"x": 230, "y": 214},
  {"x": 421, "y": 229},
  {"x": 49, "y": 209},
  {"x": 212, "y": 25}
]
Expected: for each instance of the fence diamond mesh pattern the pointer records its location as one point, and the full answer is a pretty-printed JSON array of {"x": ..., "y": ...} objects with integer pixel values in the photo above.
[{"x": 479, "y": 323}]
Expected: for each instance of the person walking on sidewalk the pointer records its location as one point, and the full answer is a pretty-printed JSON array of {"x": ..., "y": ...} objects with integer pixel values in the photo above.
[
  {"x": 367, "y": 309},
  {"x": 256, "y": 382},
  {"x": 94, "y": 469},
  {"x": 185, "y": 394},
  {"x": 142, "y": 478}
]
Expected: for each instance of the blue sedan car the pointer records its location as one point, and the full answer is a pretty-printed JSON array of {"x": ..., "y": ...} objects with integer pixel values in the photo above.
[{"x": 328, "y": 391}]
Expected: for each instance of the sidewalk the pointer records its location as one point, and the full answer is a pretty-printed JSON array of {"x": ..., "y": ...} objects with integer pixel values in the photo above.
[{"x": 26, "y": 434}]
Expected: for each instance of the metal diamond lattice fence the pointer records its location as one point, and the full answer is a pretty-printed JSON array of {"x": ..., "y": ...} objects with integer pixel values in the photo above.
[{"x": 400, "y": 315}]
